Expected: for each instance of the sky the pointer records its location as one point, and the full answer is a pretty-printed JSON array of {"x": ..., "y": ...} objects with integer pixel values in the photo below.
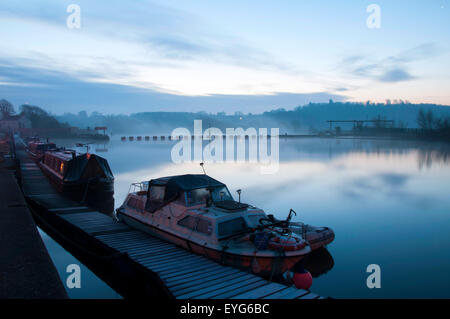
[{"x": 206, "y": 55}]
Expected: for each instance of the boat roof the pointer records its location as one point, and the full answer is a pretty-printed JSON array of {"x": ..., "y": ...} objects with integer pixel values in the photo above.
[
  {"x": 81, "y": 164},
  {"x": 63, "y": 155},
  {"x": 187, "y": 181},
  {"x": 41, "y": 143},
  {"x": 179, "y": 183}
]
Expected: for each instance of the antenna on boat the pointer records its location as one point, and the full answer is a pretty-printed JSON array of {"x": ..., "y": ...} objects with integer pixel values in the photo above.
[
  {"x": 202, "y": 164},
  {"x": 84, "y": 145},
  {"x": 239, "y": 191}
]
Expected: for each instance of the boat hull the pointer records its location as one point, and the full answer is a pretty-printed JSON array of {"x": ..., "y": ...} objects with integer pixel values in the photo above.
[
  {"x": 317, "y": 237},
  {"x": 98, "y": 194},
  {"x": 260, "y": 265}
]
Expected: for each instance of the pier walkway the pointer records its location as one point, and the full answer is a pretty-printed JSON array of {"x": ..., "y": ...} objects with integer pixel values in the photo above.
[{"x": 26, "y": 269}]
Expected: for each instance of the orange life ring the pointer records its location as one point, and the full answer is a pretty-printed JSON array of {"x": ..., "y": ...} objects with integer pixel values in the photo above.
[{"x": 286, "y": 243}]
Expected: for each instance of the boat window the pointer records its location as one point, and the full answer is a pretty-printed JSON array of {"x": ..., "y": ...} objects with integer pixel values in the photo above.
[
  {"x": 198, "y": 224},
  {"x": 188, "y": 222},
  {"x": 157, "y": 193},
  {"x": 204, "y": 226},
  {"x": 197, "y": 196},
  {"x": 132, "y": 202},
  {"x": 181, "y": 199},
  {"x": 221, "y": 194},
  {"x": 232, "y": 227}
]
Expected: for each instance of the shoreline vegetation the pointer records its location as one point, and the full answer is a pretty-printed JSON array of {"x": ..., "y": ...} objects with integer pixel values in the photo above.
[{"x": 398, "y": 119}]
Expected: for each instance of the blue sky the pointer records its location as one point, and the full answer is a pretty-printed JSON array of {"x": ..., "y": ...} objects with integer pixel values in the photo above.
[{"x": 250, "y": 56}]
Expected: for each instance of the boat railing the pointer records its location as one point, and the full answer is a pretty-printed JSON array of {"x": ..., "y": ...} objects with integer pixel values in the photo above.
[{"x": 140, "y": 187}]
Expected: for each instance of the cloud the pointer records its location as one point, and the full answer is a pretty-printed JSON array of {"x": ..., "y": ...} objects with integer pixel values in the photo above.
[
  {"x": 59, "y": 92},
  {"x": 396, "y": 75},
  {"x": 423, "y": 51},
  {"x": 170, "y": 33},
  {"x": 392, "y": 68},
  {"x": 393, "y": 179}
]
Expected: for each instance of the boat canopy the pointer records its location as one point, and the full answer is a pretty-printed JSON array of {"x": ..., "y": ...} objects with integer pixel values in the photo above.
[
  {"x": 180, "y": 183},
  {"x": 87, "y": 166}
]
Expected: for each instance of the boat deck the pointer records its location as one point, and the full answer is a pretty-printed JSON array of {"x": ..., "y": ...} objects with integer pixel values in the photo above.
[{"x": 184, "y": 274}]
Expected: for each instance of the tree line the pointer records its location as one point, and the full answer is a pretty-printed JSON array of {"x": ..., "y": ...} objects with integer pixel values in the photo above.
[
  {"x": 302, "y": 119},
  {"x": 39, "y": 118}
]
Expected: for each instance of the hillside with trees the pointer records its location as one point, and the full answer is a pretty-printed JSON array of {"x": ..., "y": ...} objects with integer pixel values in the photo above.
[{"x": 300, "y": 120}]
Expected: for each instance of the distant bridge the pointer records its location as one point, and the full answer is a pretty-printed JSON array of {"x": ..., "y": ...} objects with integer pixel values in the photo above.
[{"x": 359, "y": 123}]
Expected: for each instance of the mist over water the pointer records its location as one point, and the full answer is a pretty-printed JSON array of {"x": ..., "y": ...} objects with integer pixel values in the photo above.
[{"x": 386, "y": 200}]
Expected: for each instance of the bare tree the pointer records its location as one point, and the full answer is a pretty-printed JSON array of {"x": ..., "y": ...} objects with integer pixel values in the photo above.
[
  {"x": 430, "y": 119},
  {"x": 422, "y": 119},
  {"x": 6, "y": 108}
]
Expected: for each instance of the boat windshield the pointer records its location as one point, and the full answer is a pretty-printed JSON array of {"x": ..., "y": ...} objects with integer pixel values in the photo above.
[
  {"x": 221, "y": 194},
  {"x": 201, "y": 195}
]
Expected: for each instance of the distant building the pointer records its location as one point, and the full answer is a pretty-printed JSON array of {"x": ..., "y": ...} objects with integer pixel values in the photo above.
[{"x": 14, "y": 123}]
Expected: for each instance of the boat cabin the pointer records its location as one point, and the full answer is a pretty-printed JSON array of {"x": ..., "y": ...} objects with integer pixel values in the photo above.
[
  {"x": 197, "y": 204},
  {"x": 37, "y": 148},
  {"x": 71, "y": 167}
]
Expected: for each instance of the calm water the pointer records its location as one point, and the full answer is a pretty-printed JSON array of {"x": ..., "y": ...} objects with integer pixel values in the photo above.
[{"x": 387, "y": 201}]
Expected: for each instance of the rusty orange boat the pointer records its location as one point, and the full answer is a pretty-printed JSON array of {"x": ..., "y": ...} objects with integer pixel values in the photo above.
[
  {"x": 198, "y": 213},
  {"x": 36, "y": 148}
]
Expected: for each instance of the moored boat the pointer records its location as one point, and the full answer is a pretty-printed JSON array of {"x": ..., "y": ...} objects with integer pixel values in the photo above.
[
  {"x": 198, "y": 213},
  {"x": 36, "y": 149},
  {"x": 79, "y": 175}
]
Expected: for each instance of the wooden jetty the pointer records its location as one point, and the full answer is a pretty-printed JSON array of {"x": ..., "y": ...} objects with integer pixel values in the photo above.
[{"x": 132, "y": 262}]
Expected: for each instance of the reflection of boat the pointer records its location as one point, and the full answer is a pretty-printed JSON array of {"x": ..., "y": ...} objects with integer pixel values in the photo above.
[
  {"x": 79, "y": 176},
  {"x": 198, "y": 213},
  {"x": 319, "y": 262}
]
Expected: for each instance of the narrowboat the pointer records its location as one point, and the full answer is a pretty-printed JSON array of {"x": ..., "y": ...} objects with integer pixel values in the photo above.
[
  {"x": 198, "y": 213},
  {"x": 78, "y": 175},
  {"x": 36, "y": 149}
]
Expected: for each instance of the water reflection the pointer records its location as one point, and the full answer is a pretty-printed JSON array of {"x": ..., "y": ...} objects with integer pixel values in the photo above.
[
  {"x": 427, "y": 157},
  {"x": 319, "y": 262}
]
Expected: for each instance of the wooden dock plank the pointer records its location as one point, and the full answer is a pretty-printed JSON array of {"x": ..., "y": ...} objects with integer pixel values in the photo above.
[
  {"x": 240, "y": 290},
  {"x": 229, "y": 287},
  {"x": 309, "y": 296},
  {"x": 207, "y": 272},
  {"x": 195, "y": 288},
  {"x": 145, "y": 251},
  {"x": 289, "y": 293},
  {"x": 193, "y": 281},
  {"x": 186, "y": 264},
  {"x": 261, "y": 292},
  {"x": 213, "y": 286},
  {"x": 174, "y": 264},
  {"x": 162, "y": 256},
  {"x": 112, "y": 238},
  {"x": 170, "y": 274}
]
